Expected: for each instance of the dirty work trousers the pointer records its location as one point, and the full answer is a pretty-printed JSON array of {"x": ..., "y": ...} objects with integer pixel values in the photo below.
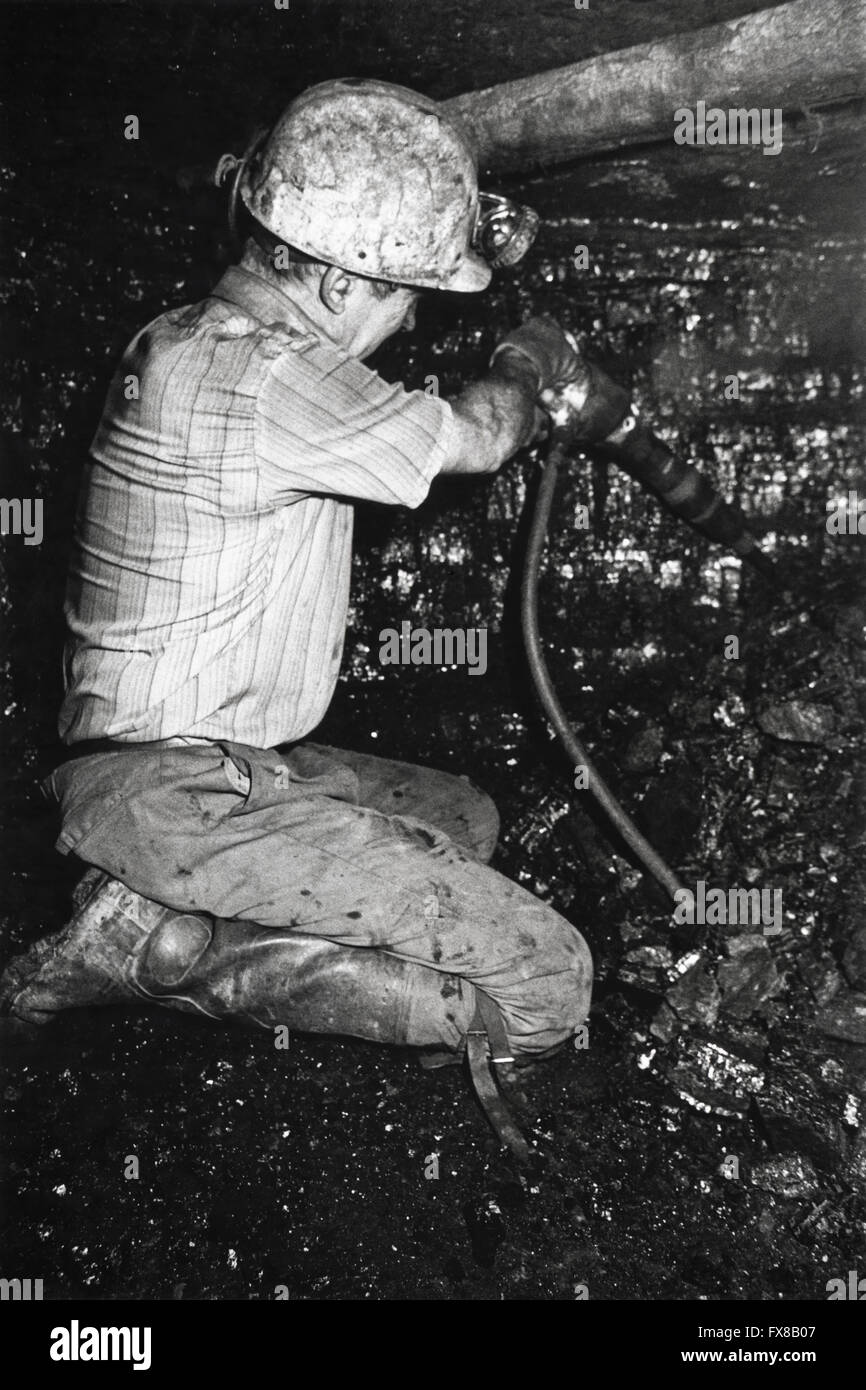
[{"x": 369, "y": 875}]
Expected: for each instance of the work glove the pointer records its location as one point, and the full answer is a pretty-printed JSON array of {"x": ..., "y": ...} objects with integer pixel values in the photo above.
[
  {"x": 547, "y": 347},
  {"x": 587, "y": 409}
]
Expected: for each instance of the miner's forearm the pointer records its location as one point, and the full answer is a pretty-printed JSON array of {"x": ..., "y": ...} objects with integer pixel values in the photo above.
[{"x": 495, "y": 416}]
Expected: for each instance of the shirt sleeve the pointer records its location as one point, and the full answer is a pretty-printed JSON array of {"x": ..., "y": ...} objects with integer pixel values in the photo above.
[{"x": 325, "y": 424}]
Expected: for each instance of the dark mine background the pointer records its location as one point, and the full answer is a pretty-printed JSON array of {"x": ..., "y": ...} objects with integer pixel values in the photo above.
[{"x": 306, "y": 1168}]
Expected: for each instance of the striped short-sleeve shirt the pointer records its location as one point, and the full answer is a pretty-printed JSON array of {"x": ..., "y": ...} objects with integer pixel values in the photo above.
[{"x": 209, "y": 581}]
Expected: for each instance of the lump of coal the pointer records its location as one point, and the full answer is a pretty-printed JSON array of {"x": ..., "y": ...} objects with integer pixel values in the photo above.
[
  {"x": 666, "y": 1023},
  {"x": 644, "y": 750},
  {"x": 713, "y": 1078},
  {"x": 787, "y": 1175},
  {"x": 844, "y": 1017},
  {"x": 854, "y": 959},
  {"x": 670, "y": 813},
  {"x": 797, "y": 1116},
  {"x": 696, "y": 997},
  {"x": 797, "y": 721},
  {"x": 821, "y": 975},
  {"x": 486, "y": 1229},
  {"x": 856, "y": 1167},
  {"x": 748, "y": 977},
  {"x": 786, "y": 783},
  {"x": 646, "y": 967}
]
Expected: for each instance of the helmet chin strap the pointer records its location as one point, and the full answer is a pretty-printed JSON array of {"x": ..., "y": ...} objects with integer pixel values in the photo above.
[
  {"x": 228, "y": 174},
  {"x": 267, "y": 241}
]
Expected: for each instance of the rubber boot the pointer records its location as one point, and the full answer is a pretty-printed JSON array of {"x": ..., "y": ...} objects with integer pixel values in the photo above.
[
  {"x": 121, "y": 946},
  {"x": 91, "y": 960}
]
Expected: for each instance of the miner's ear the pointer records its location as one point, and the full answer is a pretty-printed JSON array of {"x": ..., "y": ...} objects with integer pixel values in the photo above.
[{"x": 335, "y": 287}]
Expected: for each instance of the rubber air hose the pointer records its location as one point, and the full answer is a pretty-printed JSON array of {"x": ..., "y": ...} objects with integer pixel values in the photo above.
[{"x": 619, "y": 819}]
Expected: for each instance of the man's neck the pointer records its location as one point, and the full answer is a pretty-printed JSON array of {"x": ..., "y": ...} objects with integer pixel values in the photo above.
[{"x": 300, "y": 296}]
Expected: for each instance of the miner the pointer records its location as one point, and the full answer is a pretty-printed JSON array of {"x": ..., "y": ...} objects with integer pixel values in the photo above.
[{"x": 238, "y": 868}]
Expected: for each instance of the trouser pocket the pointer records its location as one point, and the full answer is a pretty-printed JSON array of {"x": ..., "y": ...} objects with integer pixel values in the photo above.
[{"x": 266, "y": 777}]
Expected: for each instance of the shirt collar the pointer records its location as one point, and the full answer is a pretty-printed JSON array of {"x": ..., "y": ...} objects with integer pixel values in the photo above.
[{"x": 263, "y": 301}]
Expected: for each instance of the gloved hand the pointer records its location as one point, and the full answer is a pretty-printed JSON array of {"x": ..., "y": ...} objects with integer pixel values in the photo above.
[
  {"x": 588, "y": 408},
  {"x": 548, "y": 349}
]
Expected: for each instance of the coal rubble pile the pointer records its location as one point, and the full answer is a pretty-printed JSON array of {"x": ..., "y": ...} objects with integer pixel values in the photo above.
[
  {"x": 758, "y": 1015},
  {"x": 761, "y": 1020},
  {"x": 764, "y": 1017}
]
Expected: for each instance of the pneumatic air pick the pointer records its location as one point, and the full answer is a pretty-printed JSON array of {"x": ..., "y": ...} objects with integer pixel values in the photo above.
[{"x": 592, "y": 410}]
